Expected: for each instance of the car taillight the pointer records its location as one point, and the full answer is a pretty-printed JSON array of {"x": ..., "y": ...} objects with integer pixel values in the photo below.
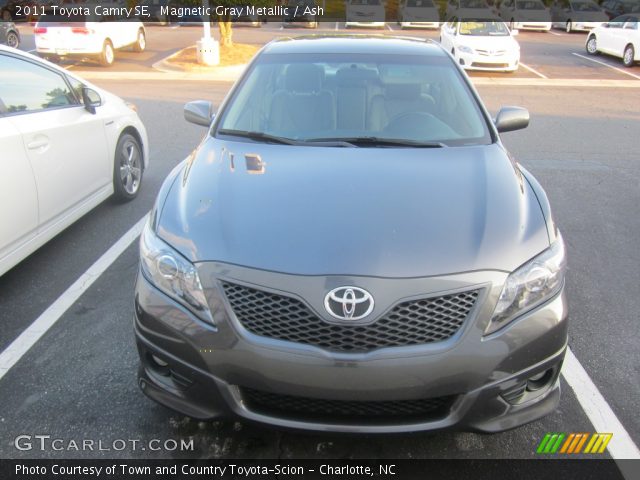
[
  {"x": 81, "y": 30},
  {"x": 39, "y": 30}
]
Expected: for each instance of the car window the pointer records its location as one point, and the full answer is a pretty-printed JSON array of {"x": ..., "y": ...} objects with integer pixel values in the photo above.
[
  {"x": 631, "y": 25},
  {"x": 492, "y": 29},
  {"x": 27, "y": 87},
  {"x": 584, "y": 7},
  {"x": 409, "y": 98}
]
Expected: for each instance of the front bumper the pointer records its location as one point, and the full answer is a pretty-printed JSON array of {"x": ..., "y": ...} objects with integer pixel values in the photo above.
[
  {"x": 491, "y": 63},
  {"x": 585, "y": 26},
  {"x": 208, "y": 369},
  {"x": 526, "y": 25}
]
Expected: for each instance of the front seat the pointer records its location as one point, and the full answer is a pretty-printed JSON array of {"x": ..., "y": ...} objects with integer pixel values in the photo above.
[
  {"x": 302, "y": 107},
  {"x": 398, "y": 99}
]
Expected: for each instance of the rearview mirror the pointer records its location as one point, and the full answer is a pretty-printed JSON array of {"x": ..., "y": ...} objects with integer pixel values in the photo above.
[
  {"x": 511, "y": 118},
  {"x": 91, "y": 100},
  {"x": 199, "y": 112}
]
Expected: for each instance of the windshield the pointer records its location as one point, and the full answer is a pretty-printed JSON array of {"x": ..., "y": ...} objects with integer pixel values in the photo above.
[
  {"x": 473, "y": 4},
  {"x": 493, "y": 29},
  {"x": 420, "y": 3},
  {"x": 530, "y": 5},
  {"x": 584, "y": 7},
  {"x": 355, "y": 98}
]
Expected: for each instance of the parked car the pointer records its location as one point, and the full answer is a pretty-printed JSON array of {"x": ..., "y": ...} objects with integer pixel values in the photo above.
[
  {"x": 300, "y": 16},
  {"x": 365, "y": 13},
  {"x": 525, "y": 15},
  {"x": 92, "y": 37},
  {"x": 619, "y": 37},
  {"x": 481, "y": 45},
  {"x": 471, "y": 9},
  {"x": 615, "y": 8},
  {"x": 383, "y": 265},
  {"x": 66, "y": 146},
  {"x": 576, "y": 15},
  {"x": 418, "y": 14},
  {"x": 9, "y": 35}
]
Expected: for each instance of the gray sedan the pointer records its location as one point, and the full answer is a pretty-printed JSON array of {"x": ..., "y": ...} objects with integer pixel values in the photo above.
[
  {"x": 351, "y": 248},
  {"x": 9, "y": 34}
]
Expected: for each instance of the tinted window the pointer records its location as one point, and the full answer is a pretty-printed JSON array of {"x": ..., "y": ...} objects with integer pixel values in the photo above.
[
  {"x": 409, "y": 98},
  {"x": 26, "y": 87}
]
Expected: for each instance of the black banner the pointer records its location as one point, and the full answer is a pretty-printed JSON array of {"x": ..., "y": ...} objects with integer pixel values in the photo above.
[{"x": 557, "y": 469}]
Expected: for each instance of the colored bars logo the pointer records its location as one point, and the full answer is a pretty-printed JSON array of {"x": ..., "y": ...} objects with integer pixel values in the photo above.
[{"x": 573, "y": 443}]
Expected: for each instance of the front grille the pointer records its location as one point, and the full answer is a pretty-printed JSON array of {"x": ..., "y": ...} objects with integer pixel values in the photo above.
[
  {"x": 489, "y": 53},
  {"x": 489, "y": 65},
  {"x": 305, "y": 408},
  {"x": 414, "y": 322}
]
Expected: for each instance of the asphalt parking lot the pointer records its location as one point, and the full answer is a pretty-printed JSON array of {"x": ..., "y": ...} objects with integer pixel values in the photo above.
[{"x": 79, "y": 380}]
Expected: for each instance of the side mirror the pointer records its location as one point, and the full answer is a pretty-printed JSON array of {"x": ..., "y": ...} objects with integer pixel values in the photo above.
[
  {"x": 91, "y": 100},
  {"x": 514, "y": 32},
  {"x": 511, "y": 118},
  {"x": 199, "y": 112}
]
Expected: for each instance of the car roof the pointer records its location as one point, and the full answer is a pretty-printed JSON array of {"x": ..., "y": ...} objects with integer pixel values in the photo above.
[{"x": 358, "y": 44}]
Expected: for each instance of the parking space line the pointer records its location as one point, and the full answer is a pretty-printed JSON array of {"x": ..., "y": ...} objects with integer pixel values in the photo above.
[
  {"x": 556, "y": 33},
  {"x": 607, "y": 65},
  {"x": 532, "y": 70},
  {"x": 598, "y": 410},
  {"x": 336, "y": 27},
  {"x": 388, "y": 26},
  {"x": 28, "y": 338}
]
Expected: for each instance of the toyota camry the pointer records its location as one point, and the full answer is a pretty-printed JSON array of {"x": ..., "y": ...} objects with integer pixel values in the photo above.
[{"x": 352, "y": 248}]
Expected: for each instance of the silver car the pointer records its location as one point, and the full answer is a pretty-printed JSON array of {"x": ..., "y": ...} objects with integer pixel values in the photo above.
[{"x": 351, "y": 248}]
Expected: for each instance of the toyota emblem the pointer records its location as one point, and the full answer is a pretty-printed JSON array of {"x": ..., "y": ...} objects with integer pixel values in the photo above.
[{"x": 348, "y": 303}]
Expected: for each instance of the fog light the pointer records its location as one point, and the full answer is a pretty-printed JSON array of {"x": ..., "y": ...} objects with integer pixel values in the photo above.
[
  {"x": 159, "y": 361},
  {"x": 539, "y": 380}
]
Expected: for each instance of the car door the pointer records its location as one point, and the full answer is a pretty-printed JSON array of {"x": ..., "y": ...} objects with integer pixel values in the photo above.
[
  {"x": 612, "y": 38},
  {"x": 66, "y": 145},
  {"x": 18, "y": 196}
]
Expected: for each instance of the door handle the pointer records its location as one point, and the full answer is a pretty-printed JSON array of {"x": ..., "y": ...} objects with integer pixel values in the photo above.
[{"x": 38, "y": 144}]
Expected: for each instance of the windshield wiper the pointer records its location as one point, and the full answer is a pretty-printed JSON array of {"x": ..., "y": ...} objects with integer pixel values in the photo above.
[
  {"x": 261, "y": 136},
  {"x": 380, "y": 142}
]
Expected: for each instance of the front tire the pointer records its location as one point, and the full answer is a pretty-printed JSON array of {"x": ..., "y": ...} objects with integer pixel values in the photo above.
[
  {"x": 107, "y": 56},
  {"x": 13, "y": 40},
  {"x": 141, "y": 42},
  {"x": 628, "y": 56},
  {"x": 127, "y": 168},
  {"x": 569, "y": 26},
  {"x": 592, "y": 45}
]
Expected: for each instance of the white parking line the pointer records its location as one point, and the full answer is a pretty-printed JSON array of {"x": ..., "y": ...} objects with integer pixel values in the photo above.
[
  {"x": 388, "y": 26},
  {"x": 532, "y": 70},
  {"x": 598, "y": 410},
  {"x": 556, "y": 33},
  {"x": 28, "y": 338},
  {"x": 607, "y": 65},
  {"x": 336, "y": 27}
]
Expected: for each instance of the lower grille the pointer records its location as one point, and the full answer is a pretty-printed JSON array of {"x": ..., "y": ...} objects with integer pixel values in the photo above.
[
  {"x": 414, "y": 322},
  {"x": 304, "y": 408},
  {"x": 490, "y": 65}
]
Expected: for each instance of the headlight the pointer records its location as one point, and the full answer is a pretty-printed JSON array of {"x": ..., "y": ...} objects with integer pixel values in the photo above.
[
  {"x": 465, "y": 49},
  {"x": 171, "y": 273},
  {"x": 530, "y": 285}
]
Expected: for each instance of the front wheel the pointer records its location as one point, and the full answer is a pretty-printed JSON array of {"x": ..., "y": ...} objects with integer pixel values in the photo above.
[
  {"x": 107, "y": 56},
  {"x": 141, "y": 42},
  {"x": 628, "y": 56},
  {"x": 127, "y": 168},
  {"x": 592, "y": 45},
  {"x": 13, "y": 40},
  {"x": 569, "y": 26}
]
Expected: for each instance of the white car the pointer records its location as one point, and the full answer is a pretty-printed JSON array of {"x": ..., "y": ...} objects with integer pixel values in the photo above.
[
  {"x": 469, "y": 9},
  {"x": 87, "y": 37},
  {"x": 620, "y": 37},
  {"x": 481, "y": 45},
  {"x": 365, "y": 13},
  {"x": 66, "y": 146},
  {"x": 418, "y": 14},
  {"x": 576, "y": 15},
  {"x": 525, "y": 15}
]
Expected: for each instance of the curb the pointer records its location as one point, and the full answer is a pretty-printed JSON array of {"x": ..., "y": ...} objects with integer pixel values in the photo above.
[{"x": 224, "y": 74}]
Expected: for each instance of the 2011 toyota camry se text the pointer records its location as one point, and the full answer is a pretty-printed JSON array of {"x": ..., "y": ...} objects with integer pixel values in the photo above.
[{"x": 351, "y": 248}]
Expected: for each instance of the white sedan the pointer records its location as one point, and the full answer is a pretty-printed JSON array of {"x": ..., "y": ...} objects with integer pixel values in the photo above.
[
  {"x": 620, "y": 37},
  {"x": 66, "y": 146},
  {"x": 525, "y": 14},
  {"x": 481, "y": 45}
]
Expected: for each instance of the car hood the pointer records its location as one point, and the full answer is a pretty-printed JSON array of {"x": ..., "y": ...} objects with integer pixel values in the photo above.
[
  {"x": 506, "y": 42},
  {"x": 389, "y": 212}
]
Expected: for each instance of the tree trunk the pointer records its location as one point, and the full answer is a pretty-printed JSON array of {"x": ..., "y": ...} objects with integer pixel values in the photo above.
[{"x": 226, "y": 34}]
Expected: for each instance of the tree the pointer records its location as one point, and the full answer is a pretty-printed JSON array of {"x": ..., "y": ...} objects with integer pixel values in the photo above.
[{"x": 225, "y": 22}]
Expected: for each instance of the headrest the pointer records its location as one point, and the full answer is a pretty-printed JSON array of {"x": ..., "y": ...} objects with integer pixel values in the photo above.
[
  {"x": 353, "y": 76},
  {"x": 304, "y": 78},
  {"x": 403, "y": 91}
]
